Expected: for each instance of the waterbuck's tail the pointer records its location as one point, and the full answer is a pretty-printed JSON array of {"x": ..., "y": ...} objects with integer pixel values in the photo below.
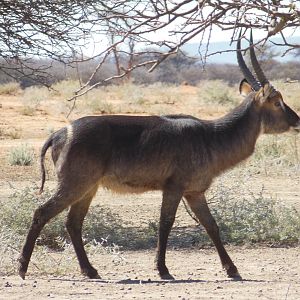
[{"x": 47, "y": 144}]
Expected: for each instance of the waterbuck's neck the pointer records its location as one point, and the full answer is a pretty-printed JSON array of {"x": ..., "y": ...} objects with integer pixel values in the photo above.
[{"x": 235, "y": 135}]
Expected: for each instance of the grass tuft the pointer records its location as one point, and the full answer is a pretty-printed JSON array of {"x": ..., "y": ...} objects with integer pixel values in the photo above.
[
  {"x": 217, "y": 92},
  {"x": 22, "y": 155},
  {"x": 10, "y": 88},
  {"x": 255, "y": 218},
  {"x": 32, "y": 98}
]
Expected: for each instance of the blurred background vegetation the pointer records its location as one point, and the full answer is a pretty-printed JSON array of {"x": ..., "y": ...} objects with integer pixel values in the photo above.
[{"x": 177, "y": 69}]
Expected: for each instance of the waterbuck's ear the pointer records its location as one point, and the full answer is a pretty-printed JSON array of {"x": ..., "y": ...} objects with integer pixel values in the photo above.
[{"x": 245, "y": 88}]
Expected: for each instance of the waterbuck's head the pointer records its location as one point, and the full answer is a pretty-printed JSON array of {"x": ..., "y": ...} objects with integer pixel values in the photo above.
[{"x": 276, "y": 116}]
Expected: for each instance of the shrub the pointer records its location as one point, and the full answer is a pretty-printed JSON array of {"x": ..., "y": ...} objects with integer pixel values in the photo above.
[
  {"x": 128, "y": 92},
  {"x": 277, "y": 153},
  {"x": 27, "y": 110},
  {"x": 217, "y": 92},
  {"x": 11, "y": 133},
  {"x": 95, "y": 101},
  {"x": 21, "y": 156},
  {"x": 100, "y": 226},
  {"x": 10, "y": 88},
  {"x": 243, "y": 219},
  {"x": 17, "y": 215},
  {"x": 65, "y": 88},
  {"x": 34, "y": 95},
  {"x": 240, "y": 219},
  {"x": 32, "y": 98},
  {"x": 14, "y": 133}
]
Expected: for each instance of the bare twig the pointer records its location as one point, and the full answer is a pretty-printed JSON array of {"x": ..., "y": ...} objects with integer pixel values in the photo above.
[{"x": 63, "y": 31}]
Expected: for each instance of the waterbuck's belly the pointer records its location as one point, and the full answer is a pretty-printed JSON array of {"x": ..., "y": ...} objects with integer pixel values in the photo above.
[{"x": 125, "y": 186}]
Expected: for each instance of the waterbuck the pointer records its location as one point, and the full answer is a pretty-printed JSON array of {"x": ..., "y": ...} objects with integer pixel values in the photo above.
[{"x": 177, "y": 154}]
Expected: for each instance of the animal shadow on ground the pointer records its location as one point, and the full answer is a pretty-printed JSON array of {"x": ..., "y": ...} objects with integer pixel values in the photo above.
[{"x": 149, "y": 281}]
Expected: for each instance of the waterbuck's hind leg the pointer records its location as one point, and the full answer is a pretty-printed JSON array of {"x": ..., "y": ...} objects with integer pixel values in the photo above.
[
  {"x": 71, "y": 189},
  {"x": 74, "y": 222},
  {"x": 199, "y": 206},
  {"x": 42, "y": 215},
  {"x": 171, "y": 198}
]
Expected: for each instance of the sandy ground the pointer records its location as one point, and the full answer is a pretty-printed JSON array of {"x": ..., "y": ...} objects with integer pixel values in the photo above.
[{"x": 268, "y": 273}]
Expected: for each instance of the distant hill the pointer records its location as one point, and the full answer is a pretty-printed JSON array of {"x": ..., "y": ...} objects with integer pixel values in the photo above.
[{"x": 230, "y": 57}]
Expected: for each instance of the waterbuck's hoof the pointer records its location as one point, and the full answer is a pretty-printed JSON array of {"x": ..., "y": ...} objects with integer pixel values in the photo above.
[
  {"x": 236, "y": 276},
  {"x": 22, "y": 267},
  {"x": 232, "y": 272},
  {"x": 97, "y": 276},
  {"x": 166, "y": 276},
  {"x": 91, "y": 273},
  {"x": 22, "y": 274}
]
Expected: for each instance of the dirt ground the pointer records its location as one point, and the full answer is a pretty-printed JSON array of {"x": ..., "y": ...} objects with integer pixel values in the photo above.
[{"x": 268, "y": 273}]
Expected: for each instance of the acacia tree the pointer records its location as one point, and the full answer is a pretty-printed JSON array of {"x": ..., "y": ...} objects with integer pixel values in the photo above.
[{"x": 65, "y": 31}]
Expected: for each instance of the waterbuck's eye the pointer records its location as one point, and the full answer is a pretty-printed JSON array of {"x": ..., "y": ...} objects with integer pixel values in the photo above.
[{"x": 277, "y": 104}]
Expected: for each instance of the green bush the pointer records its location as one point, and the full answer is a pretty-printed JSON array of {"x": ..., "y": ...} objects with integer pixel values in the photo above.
[
  {"x": 21, "y": 156},
  {"x": 243, "y": 219}
]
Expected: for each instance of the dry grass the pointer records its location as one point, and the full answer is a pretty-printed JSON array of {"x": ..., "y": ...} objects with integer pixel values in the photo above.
[
  {"x": 10, "y": 88},
  {"x": 217, "y": 92},
  {"x": 10, "y": 133},
  {"x": 96, "y": 101},
  {"x": 65, "y": 89},
  {"x": 208, "y": 98},
  {"x": 32, "y": 98}
]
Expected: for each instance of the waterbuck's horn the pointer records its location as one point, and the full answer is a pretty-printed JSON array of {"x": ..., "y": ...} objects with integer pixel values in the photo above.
[
  {"x": 258, "y": 70},
  {"x": 246, "y": 72}
]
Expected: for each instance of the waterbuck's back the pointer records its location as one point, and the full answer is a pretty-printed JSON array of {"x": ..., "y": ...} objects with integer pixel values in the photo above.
[{"x": 136, "y": 154}]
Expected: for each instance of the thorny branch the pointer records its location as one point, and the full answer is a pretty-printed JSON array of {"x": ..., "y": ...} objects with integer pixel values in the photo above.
[{"x": 146, "y": 32}]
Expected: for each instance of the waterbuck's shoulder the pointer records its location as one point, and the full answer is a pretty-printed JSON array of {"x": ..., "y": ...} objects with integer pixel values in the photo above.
[{"x": 187, "y": 123}]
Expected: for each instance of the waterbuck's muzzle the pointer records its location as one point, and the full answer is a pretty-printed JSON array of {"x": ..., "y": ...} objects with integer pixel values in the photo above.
[
  {"x": 294, "y": 120},
  {"x": 297, "y": 127}
]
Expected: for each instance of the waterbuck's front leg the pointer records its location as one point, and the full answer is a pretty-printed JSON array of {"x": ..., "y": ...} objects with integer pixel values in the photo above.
[
  {"x": 199, "y": 206},
  {"x": 171, "y": 198}
]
